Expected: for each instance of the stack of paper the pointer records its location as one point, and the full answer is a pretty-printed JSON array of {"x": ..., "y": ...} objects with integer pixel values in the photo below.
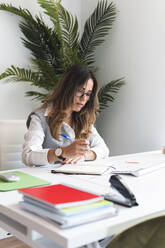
[
  {"x": 136, "y": 167},
  {"x": 66, "y": 205}
]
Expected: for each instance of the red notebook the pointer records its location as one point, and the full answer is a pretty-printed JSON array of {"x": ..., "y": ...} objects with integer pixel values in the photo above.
[{"x": 59, "y": 195}]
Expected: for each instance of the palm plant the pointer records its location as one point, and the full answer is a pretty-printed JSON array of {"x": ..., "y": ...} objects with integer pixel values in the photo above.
[{"x": 54, "y": 49}]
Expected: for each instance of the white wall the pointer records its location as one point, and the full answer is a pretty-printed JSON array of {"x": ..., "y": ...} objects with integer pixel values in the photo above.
[
  {"x": 134, "y": 49},
  {"x": 13, "y": 103}
]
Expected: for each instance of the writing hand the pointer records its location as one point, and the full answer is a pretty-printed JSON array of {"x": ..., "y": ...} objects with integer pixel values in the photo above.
[
  {"x": 74, "y": 160},
  {"x": 78, "y": 148}
]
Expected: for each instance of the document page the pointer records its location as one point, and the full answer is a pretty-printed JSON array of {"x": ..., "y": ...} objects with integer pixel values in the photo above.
[
  {"x": 137, "y": 167},
  {"x": 98, "y": 167}
]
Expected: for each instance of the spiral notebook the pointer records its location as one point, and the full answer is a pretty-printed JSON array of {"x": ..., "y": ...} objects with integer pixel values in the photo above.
[{"x": 88, "y": 168}]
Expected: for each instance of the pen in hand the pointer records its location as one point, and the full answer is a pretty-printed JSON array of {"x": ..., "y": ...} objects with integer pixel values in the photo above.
[
  {"x": 65, "y": 136},
  {"x": 68, "y": 138}
]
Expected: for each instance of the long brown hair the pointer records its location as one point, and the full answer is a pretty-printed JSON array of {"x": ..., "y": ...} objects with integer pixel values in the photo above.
[{"x": 62, "y": 99}]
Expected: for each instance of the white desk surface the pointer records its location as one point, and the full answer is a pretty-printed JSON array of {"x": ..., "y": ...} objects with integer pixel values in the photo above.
[{"x": 40, "y": 233}]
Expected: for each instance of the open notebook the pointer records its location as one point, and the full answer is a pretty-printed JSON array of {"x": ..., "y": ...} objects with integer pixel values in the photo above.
[
  {"x": 90, "y": 168},
  {"x": 132, "y": 166}
]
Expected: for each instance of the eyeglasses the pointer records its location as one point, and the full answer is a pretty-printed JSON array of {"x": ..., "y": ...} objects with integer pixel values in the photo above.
[{"x": 81, "y": 93}]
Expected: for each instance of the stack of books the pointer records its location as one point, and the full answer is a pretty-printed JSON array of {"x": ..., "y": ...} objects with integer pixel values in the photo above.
[{"x": 66, "y": 205}]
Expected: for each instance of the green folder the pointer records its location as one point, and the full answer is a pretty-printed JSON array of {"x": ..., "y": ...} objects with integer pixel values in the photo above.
[{"x": 26, "y": 181}]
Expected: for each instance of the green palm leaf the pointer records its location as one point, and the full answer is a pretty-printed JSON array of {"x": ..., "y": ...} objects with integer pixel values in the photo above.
[
  {"x": 106, "y": 92},
  {"x": 47, "y": 74},
  {"x": 36, "y": 95},
  {"x": 17, "y": 74},
  {"x": 69, "y": 28},
  {"x": 70, "y": 35},
  {"x": 64, "y": 23},
  {"x": 40, "y": 79},
  {"x": 66, "y": 27},
  {"x": 42, "y": 42},
  {"x": 52, "y": 9},
  {"x": 18, "y": 11},
  {"x": 96, "y": 28}
]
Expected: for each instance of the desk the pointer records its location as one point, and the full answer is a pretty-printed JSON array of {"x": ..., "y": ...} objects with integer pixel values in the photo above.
[{"x": 40, "y": 233}]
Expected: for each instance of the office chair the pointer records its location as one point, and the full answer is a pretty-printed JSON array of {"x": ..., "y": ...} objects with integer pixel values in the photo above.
[
  {"x": 11, "y": 141},
  {"x": 148, "y": 234}
]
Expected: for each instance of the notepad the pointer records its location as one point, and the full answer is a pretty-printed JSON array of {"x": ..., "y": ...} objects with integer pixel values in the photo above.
[
  {"x": 69, "y": 210},
  {"x": 25, "y": 181},
  {"x": 81, "y": 169},
  {"x": 71, "y": 220},
  {"x": 60, "y": 195}
]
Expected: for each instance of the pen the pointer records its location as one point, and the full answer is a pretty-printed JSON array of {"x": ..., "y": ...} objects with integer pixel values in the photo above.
[{"x": 65, "y": 136}]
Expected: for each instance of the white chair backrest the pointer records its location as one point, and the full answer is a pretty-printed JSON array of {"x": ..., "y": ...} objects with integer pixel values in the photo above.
[{"x": 11, "y": 141}]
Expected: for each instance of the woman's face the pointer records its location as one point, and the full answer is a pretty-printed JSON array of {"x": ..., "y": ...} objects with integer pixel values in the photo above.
[{"x": 82, "y": 95}]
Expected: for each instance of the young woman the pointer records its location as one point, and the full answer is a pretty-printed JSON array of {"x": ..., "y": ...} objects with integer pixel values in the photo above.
[{"x": 62, "y": 129}]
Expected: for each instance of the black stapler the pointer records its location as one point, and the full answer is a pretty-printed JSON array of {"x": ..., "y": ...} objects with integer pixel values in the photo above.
[{"x": 125, "y": 196}]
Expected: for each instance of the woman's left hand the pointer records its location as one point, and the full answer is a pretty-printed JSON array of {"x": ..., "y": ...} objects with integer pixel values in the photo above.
[
  {"x": 89, "y": 155},
  {"x": 74, "y": 160}
]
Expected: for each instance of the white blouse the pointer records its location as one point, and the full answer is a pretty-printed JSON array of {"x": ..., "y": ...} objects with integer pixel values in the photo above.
[{"x": 34, "y": 154}]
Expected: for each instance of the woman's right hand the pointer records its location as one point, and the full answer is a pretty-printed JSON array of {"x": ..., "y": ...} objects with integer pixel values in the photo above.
[{"x": 78, "y": 148}]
